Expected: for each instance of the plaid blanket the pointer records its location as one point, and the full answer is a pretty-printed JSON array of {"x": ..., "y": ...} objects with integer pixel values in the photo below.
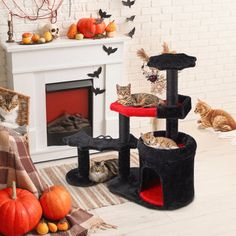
[{"x": 16, "y": 165}]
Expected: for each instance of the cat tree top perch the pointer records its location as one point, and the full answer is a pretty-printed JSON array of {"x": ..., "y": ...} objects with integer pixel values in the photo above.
[{"x": 169, "y": 61}]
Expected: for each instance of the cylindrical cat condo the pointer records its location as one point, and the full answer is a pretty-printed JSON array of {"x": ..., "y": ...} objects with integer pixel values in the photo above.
[{"x": 167, "y": 176}]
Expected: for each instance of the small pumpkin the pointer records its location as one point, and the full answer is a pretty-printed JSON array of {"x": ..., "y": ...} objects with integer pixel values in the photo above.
[
  {"x": 90, "y": 27},
  {"x": 63, "y": 225},
  {"x": 42, "y": 228},
  {"x": 52, "y": 227},
  {"x": 56, "y": 202},
  {"x": 72, "y": 31},
  {"x": 111, "y": 27},
  {"x": 20, "y": 211}
]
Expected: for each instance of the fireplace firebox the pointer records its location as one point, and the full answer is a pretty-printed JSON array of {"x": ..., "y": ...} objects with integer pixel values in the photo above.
[{"x": 69, "y": 108}]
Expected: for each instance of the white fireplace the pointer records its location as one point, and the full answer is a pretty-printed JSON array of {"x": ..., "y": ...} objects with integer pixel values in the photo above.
[{"x": 31, "y": 68}]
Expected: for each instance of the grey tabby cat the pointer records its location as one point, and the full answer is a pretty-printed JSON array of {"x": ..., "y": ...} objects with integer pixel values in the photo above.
[
  {"x": 102, "y": 171},
  {"x": 137, "y": 99},
  {"x": 158, "y": 142},
  {"x": 9, "y": 107}
]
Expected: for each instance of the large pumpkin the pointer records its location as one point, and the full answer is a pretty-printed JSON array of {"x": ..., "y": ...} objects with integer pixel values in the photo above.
[
  {"x": 20, "y": 211},
  {"x": 90, "y": 27},
  {"x": 56, "y": 202}
]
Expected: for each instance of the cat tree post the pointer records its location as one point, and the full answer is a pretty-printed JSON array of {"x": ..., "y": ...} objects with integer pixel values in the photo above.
[
  {"x": 124, "y": 155},
  {"x": 172, "y": 100}
]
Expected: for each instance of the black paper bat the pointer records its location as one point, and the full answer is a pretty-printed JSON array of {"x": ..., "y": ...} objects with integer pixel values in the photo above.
[
  {"x": 130, "y": 18},
  {"x": 131, "y": 33},
  {"x": 103, "y": 14},
  {"x": 97, "y": 91},
  {"x": 128, "y": 3},
  {"x": 96, "y": 73},
  {"x": 109, "y": 50}
]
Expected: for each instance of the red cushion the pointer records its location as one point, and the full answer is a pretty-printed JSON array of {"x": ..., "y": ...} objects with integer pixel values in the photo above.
[
  {"x": 153, "y": 194},
  {"x": 134, "y": 111}
]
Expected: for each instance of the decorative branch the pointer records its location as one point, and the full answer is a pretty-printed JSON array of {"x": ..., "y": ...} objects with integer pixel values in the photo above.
[
  {"x": 44, "y": 10},
  {"x": 142, "y": 55}
]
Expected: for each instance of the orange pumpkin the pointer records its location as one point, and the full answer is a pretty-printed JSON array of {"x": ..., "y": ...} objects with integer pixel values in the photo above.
[
  {"x": 100, "y": 26},
  {"x": 56, "y": 202},
  {"x": 20, "y": 211},
  {"x": 90, "y": 27},
  {"x": 72, "y": 31}
]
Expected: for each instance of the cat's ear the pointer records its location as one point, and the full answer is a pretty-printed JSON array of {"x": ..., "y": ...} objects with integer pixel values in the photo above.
[
  {"x": 102, "y": 163},
  {"x": 15, "y": 98},
  {"x": 117, "y": 86},
  {"x": 199, "y": 100},
  {"x": 129, "y": 85}
]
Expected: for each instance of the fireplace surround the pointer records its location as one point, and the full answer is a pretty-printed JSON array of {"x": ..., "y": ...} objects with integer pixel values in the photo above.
[{"x": 31, "y": 68}]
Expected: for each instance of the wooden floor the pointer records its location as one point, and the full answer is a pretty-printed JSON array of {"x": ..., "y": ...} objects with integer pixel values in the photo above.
[{"x": 213, "y": 211}]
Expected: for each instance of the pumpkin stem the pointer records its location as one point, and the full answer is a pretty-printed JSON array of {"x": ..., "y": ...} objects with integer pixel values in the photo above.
[
  {"x": 14, "y": 196},
  {"x": 48, "y": 187}
]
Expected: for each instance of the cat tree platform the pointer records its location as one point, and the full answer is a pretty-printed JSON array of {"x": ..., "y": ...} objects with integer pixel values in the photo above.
[
  {"x": 179, "y": 111},
  {"x": 80, "y": 176}
]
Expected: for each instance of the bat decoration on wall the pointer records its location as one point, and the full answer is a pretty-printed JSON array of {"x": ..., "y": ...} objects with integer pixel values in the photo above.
[
  {"x": 97, "y": 91},
  {"x": 131, "y": 33},
  {"x": 109, "y": 50},
  {"x": 96, "y": 73},
  {"x": 130, "y": 18},
  {"x": 103, "y": 14},
  {"x": 128, "y": 3}
]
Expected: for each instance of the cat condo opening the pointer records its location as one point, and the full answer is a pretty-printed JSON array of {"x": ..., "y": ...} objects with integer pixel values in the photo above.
[
  {"x": 151, "y": 189},
  {"x": 69, "y": 109}
]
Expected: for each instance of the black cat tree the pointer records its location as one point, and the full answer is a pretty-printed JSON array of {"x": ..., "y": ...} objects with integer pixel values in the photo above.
[{"x": 165, "y": 178}]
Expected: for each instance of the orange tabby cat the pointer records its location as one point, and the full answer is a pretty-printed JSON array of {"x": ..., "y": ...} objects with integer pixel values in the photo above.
[{"x": 218, "y": 119}]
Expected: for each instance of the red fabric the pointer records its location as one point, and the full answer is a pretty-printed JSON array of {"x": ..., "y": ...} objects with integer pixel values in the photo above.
[
  {"x": 134, "y": 111},
  {"x": 153, "y": 194}
]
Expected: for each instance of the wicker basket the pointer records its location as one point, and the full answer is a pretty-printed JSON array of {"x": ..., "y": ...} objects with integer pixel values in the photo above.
[{"x": 23, "y": 114}]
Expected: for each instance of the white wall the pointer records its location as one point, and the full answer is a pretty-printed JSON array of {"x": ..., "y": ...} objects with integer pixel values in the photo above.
[{"x": 202, "y": 28}]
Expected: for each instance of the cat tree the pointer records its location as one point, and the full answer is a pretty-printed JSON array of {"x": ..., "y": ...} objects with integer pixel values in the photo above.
[{"x": 165, "y": 178}]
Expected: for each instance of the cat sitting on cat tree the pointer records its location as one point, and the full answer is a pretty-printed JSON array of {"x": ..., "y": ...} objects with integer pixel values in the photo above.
[{"x": 218, "y": 119}]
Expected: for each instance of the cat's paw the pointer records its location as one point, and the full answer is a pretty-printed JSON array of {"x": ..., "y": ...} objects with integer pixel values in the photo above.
[{"x": 201, "y": 126}]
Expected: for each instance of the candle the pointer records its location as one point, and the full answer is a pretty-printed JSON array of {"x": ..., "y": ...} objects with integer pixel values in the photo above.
[{"x": 9, "y": 17}]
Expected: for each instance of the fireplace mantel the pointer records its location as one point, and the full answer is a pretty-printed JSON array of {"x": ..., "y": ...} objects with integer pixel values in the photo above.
[
  {"x": 31, "y": 67},
  {"x": 62, "y": 53}
]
